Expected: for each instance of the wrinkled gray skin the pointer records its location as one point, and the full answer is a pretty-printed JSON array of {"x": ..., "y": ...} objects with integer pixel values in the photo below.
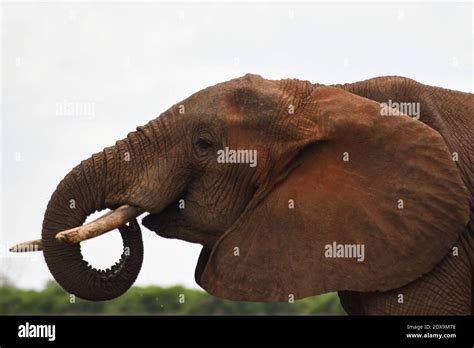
[{"x": 171, "y": 158}]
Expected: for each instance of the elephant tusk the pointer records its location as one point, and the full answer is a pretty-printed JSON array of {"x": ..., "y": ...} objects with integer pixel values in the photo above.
[
  {"x": 105, "y": 223},
  {"x": 32, "y": 245}
]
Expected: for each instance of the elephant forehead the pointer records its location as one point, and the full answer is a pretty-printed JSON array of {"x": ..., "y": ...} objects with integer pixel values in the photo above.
[{"x": 243, "y": 137}]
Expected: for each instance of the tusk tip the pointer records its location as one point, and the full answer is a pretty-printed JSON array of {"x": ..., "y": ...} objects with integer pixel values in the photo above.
[{"x": 33, "y": 245}]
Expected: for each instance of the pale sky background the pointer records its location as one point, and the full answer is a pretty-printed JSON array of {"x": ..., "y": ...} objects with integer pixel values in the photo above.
[{"x": 131, "y": 61}]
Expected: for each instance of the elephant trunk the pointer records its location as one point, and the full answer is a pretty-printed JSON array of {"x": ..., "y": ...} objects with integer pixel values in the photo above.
[{"x": 102, "y": 181}]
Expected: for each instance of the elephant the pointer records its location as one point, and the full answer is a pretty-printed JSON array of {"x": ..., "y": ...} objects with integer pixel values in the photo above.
[{"x": 293, "y": 189}]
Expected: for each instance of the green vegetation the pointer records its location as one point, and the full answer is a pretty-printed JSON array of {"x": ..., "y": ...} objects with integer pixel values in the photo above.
[{"x": 154, "y": 300}]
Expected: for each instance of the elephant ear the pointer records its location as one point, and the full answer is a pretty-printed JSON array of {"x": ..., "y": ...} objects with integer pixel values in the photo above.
[{"x": 373, "y": 203}]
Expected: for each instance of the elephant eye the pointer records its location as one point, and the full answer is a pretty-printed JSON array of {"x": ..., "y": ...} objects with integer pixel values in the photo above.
[{"x": 203, "y": 143}]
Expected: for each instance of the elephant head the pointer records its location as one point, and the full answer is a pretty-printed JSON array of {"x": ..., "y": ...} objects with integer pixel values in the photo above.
[{"x": 265, "y": 175}]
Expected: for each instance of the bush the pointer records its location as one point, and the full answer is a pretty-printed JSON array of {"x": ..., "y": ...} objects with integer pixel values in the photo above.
[{"x": 154, "y": 300}]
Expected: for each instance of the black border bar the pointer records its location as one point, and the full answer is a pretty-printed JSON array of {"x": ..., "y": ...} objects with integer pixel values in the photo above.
[{"x": 134, "y": 330}]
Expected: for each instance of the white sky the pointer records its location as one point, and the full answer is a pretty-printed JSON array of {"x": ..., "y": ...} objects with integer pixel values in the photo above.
[{"x": 132, "y": 61}]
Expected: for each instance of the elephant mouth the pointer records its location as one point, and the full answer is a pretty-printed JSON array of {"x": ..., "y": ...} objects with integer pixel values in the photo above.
[{"x": 165, "y": 223}]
